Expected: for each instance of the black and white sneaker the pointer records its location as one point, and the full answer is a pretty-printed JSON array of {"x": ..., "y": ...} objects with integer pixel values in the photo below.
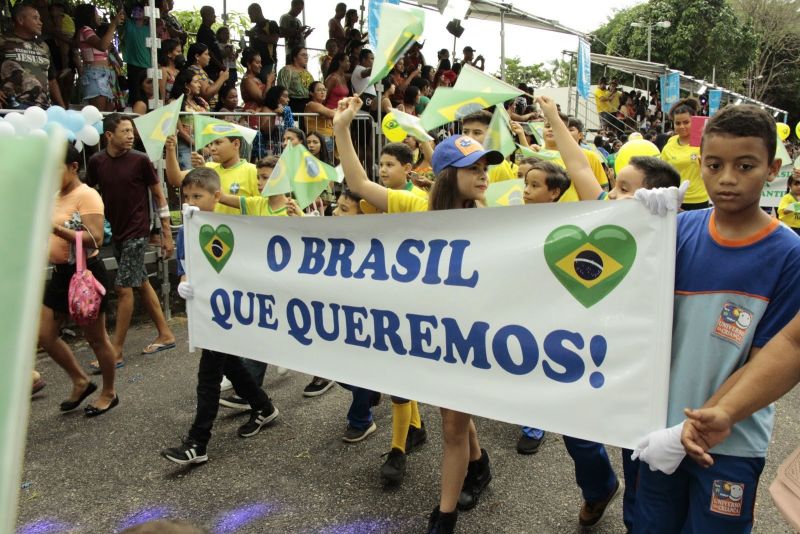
[
  {"x": 235, "y": 402},
  {"x": 317, "y": 387},
  {"x": 188, "y": 453},
  {"x": 258, "y": 419},
  {"x": 354, "y": 435}
]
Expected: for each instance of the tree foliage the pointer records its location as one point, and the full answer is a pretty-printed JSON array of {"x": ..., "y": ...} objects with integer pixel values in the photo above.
[
  {"x": 705, "y": 36},
  {"x": 732, "y": 41},
  {"x": 555, "y": 73}
]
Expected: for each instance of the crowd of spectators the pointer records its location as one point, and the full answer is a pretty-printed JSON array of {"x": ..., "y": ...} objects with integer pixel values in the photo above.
[{"x": 63, "y": 54}]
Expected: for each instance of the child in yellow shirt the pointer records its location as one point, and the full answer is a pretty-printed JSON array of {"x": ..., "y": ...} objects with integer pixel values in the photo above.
[{"x": 789, "y": 207}]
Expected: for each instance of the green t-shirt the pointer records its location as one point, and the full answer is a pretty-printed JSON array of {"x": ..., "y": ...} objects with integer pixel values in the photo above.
[{"x": 134, "y": 49}]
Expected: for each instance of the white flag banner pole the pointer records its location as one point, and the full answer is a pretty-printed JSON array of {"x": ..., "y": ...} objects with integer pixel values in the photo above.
[{"x": 501, "y": 313}]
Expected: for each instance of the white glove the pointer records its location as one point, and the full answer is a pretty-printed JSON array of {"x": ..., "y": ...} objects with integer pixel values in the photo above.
[
  {"x": 188, "y": 211},
  {"x": 186, "y": 291},
  {"x": 662, "y": 200},
  {"x": 662, "y": 449}
]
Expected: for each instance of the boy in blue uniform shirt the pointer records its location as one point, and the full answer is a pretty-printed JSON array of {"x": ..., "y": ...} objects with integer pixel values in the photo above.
[{"x": 736, "y": 285}]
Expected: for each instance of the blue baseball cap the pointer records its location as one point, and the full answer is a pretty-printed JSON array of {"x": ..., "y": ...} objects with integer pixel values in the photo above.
[{"x": 461, "y": 151}]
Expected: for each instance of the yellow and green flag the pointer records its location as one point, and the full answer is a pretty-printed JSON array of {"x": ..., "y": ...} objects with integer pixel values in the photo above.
[
  {"x": 299, "y": 172},
  {"x": 543, "y": 154},
  {"x": 537, "y": 128},
  {"x": 206, "y": 129},
  {"x": 156, "y": 126},
  {"x": 398, "y": 29},
  {"x": 412, "y": 125},
  {"x": 476, "y": 81},
  {"x": 499, "y": 136},
  {"x": 449, "y": 105},
  {"x": 505, "y": 193}
]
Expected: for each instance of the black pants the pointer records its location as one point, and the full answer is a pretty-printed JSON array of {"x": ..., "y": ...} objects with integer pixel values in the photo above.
[{"x": 212, "y": 366}]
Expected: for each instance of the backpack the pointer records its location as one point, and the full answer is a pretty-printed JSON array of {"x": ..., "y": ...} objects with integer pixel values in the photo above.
[{"x": 85, "y": 292}]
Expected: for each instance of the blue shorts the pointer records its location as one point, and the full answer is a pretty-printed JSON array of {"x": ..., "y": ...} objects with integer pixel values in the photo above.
[
  {"x": 97, "y": 81},
  {"x": 695, "y": 500}
]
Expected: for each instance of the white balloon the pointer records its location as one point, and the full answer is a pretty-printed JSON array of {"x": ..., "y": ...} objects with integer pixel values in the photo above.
[
  {"x": 17, "y": 120},
  {"x": 91, "y": 114},
  {"x": 7, "y": 129},
  {"x": 78, "y": 145},
  {"x": 38, "y": 132},
  {"x": 88, "y": 135},
  {"x": 35, "y": 117}
]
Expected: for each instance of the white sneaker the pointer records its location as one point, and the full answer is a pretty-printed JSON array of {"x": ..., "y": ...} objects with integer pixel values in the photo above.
[
  {"x": 225, "y": 385},
  {"x": 282, "y": 371}
]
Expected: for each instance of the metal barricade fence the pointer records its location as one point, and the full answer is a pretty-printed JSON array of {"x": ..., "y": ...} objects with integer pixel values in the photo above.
[{"x": 364, "y": 134}]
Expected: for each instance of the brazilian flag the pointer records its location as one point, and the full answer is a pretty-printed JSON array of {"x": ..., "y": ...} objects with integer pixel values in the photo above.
[
  {"x": 206, "y": 129},
  {"x": 590, "y": 266},
  {"x": 156, "y": 126},
  {"x": 505, "y": 193},
  {"x": 299, "y": 172},
  {"x": 450, "y": 105}
]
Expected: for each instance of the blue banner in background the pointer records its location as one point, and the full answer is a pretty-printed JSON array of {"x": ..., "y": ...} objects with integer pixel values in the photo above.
[
  {"x": 373, "y": 17},
  {"x": 584, "y": 68},
  {"x": 670, "y": 90},
  {"x": 714, "y": 100}
]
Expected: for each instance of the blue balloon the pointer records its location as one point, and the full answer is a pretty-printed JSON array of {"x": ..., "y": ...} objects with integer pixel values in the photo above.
[
  {"x": 71, "y": 137},
  {"x": 56, "y": 114},
  {"x": 74, "y": 121},
  {"x": 99, "y": 127}
]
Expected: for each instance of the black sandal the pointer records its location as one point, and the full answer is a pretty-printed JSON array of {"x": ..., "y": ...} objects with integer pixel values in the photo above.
[
  {"x": 94, "y": 411},
  {"x": 68, "y": 405}
]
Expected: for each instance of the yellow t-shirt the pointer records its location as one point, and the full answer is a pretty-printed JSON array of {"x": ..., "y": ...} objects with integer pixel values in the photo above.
[
  {"x": 405, "y": 201},
  {"x": 601, "y": 106},
  {"x": 502, "y": 172},
  {"x": 369, "y": 209},
  {"x": 240, "y": 179},
  {"x": 571, "y": 194},
  {"x": 259, "y": 206},
  {"x": 686, "y": 160},
  {"x": 791, "y": 219}
]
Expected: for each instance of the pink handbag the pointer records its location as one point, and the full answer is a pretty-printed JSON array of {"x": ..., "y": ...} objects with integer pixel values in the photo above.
[{"x": 85, "y": 292}]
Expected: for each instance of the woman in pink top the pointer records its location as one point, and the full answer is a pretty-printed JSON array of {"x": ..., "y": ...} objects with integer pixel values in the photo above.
[
  {"x": 336, "y": 82},
  {"x": 97, "y": 78}
]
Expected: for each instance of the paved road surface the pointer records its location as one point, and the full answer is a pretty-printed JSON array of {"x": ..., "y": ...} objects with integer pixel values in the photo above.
[{"x": 98, "y": 476}]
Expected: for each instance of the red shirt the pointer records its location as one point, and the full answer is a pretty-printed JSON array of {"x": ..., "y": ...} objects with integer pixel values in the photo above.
[{"x": 124, "y": 182}]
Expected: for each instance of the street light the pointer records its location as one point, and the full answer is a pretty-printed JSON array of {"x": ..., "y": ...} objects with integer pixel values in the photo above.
[{"x": 659, "y": 24}]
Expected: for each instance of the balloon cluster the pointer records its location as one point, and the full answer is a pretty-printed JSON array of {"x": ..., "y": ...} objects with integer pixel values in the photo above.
[{"x": 82, "y": 127}]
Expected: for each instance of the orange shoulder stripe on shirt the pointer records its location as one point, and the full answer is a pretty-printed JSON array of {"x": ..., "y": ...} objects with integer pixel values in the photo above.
[{"x": 749, "y": 240}]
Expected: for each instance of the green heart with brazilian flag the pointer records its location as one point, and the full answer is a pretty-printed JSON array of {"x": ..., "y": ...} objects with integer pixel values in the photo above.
[
  {"x": 216, "y": 244},
  {"x": 590, "y": 266}
]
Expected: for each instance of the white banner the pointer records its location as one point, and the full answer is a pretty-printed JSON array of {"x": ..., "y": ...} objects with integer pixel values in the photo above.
[
  {"x": 774, "y": 191},
  {"x": 502, "y": 313}
]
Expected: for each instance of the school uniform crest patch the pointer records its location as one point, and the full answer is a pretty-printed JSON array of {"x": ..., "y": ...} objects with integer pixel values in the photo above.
[
  {"x": 727, "y": 497},
  {"x": 733, "y": 322}
]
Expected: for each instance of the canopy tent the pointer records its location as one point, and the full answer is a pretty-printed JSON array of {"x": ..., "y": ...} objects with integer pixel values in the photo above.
[
  {"x": 503, "y": 13},
  {"x": 652, "y": 71}
]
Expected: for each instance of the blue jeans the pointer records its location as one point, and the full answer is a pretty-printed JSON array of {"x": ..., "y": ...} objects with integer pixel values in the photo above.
[
  {"x": 630, "y": 471},
  {"x": 184, "y": 155},
  {"x": 698, "y": 500},
  {"x": 593, "y": 471},
  {"x": 359, "y": 415}
]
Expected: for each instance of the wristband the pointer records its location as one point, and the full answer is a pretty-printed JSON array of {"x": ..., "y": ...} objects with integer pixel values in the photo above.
[{"x": 163, "y": 212}]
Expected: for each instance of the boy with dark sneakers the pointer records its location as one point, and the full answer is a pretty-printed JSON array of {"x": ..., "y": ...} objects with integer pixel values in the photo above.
[{"x": 201, "y": 190}]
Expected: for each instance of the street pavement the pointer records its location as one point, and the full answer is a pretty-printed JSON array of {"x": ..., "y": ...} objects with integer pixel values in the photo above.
[{"x": 101, "y": 475}]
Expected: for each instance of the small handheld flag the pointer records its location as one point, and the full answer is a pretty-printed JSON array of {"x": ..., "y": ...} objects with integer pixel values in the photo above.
[
  {"x": 156, "y": 126},
  {"x": 206, "y": 129}
]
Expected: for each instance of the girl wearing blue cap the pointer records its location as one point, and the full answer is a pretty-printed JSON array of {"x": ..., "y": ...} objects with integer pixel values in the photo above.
[{"x": 459, "y": 164}]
